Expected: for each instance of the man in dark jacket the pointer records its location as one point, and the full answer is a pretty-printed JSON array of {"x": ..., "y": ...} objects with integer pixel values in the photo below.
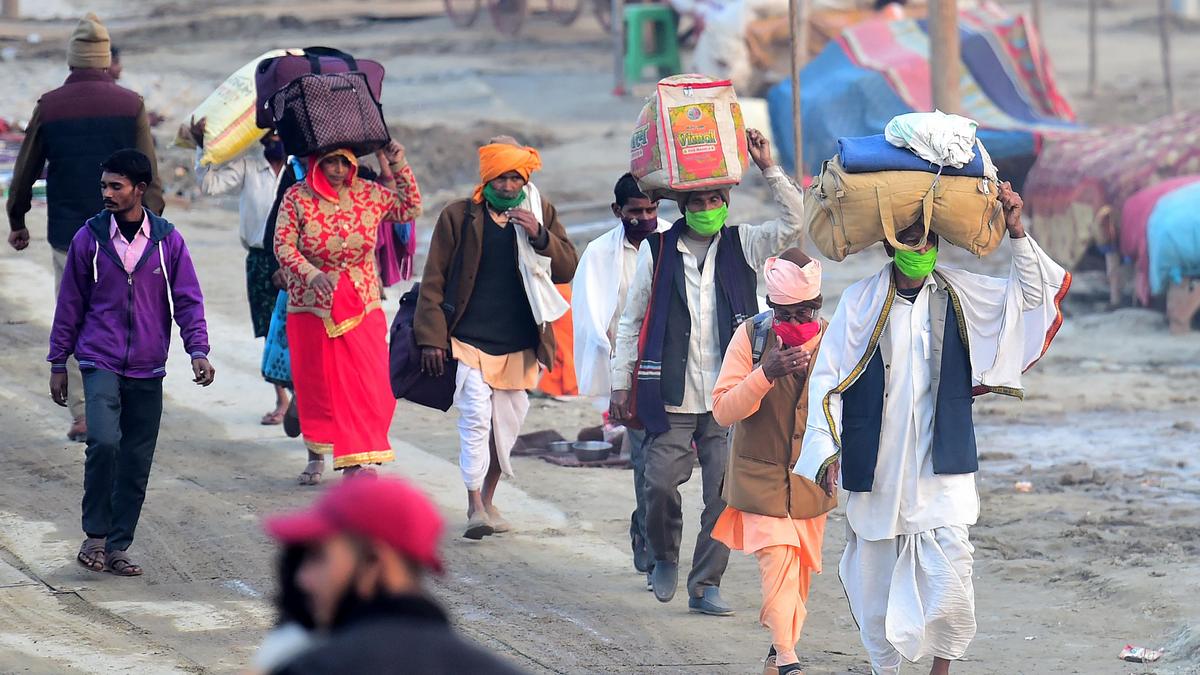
[
  {"x": 71, "y": 131},
  {"x": 362, "y": 576},
  {"x": 486, "y": 272},
  {"x": 128, "y": 273}
]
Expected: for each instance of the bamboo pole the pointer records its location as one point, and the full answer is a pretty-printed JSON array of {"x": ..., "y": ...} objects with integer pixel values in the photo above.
[
  {"x": 1093, "y": 14},
  {"x": 1037, "y": 16},
  {"x": 11, "y": 9},
  {"x": 945, "y": 55},
  {"x": 618, "y": 33},
  {"x": 1164, "y": 32},
  {"x": 798, "y": 10}
]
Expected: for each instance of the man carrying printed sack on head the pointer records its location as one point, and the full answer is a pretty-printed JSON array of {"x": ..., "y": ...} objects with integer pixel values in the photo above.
[
  {"x": 695, "y": 285},
  {"x": 890, "y": 414},
  {"x": 128, "y": 274}
]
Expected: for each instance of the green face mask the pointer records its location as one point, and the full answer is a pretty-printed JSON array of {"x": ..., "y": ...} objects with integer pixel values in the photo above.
[
  {"x": 499, "y": 202},
  {"x": 916, "y": 265},
  {"x": 707, "y": 223}
]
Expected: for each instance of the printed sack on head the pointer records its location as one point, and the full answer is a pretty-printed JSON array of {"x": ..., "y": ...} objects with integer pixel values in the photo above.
[
  {"x": 229, "y": 111},
  {"x": 689, "y": 136}
]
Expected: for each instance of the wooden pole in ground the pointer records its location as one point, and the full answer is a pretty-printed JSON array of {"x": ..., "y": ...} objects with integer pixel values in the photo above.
[
  {"x": 11, "y": 9},
  {"x": 1093, "y": 14},
  {"x": 1164, "y": 32},
  {"x": 618, "y": 33},
  {"x": 945, "y": 55},
  {"x": 1037, "y": 15},
  {"x": 798, "y": 10}
]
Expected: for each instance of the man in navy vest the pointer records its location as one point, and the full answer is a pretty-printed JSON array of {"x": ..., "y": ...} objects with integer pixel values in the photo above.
[
  {"x": 694, "y": 285},
  {"x": 890, "y": 406}
]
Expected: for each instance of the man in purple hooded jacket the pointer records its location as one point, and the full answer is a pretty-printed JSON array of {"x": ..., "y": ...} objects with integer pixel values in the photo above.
[{"x": 128, "y": 273}]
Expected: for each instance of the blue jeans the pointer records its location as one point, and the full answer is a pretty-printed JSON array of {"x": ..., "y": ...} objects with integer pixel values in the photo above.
[{"x": 123, "y": 415}]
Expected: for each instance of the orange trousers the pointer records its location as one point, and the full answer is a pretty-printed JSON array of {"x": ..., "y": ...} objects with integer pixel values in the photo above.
[{"x": 785, "y": 582}]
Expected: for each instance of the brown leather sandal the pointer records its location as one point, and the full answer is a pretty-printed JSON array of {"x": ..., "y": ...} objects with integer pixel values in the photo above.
[
  {"x": 120, "y": 565},
  {"x": 91, "y": 554}
]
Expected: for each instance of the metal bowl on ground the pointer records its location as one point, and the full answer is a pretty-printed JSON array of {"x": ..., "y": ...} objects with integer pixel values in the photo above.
[
  {"x": 591, "y": 451},
  {"x": 559, "y": 447}
]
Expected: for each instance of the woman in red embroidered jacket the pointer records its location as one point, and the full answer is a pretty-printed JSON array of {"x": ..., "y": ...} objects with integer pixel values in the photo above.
[{"x": 325, "y": 240}]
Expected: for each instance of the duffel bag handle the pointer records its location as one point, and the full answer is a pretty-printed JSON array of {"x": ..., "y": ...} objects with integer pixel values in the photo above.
[
  {"x": 883, "y": 197},
  {"x": 314, "y": 54}
]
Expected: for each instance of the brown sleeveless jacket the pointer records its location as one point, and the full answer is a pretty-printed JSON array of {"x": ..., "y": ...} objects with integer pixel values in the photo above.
[{"x": 766, "y": 445}]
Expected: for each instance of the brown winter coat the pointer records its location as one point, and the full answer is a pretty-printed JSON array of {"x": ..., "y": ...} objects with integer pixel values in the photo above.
[{"x": 430, "y": 325}]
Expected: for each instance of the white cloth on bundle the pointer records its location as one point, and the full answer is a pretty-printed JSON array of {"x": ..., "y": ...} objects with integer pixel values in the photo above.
[
  {"x": 945, "y": 140},
  {"x": 546, "y": 303},
  {"x": 485, "y": 413},
  {"x": 912, "y": 596},
  {"x": 597, "y": 300}
]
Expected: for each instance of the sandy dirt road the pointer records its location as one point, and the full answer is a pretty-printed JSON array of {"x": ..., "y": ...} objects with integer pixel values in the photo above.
[{"x": 1103, "y": 552}]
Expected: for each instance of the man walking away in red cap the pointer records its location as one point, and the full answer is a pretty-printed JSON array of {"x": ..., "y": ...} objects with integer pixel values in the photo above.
[{"x": 363, "y": 576}]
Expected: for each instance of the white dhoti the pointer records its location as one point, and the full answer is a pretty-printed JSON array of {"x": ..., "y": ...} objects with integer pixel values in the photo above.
[
  {"x": 912, "y": 595},
  {"x": 486, "y": 413}
]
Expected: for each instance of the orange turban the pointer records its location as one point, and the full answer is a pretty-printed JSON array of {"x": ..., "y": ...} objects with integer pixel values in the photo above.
[
  {"x": 791, "y": 284},
  {"x": 497, "y": 159}
]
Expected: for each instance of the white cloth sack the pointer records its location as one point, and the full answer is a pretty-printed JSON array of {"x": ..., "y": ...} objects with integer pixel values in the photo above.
[
  {"x": 546, "y": 303},
  {"x": 938, "y": 138}
]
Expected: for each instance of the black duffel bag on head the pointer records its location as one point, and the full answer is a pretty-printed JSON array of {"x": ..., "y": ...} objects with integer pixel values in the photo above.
[
  {"x": 315, "y": 114},
  {"x": 275, "y": 73},
  {"x": 409, "y": 381}
]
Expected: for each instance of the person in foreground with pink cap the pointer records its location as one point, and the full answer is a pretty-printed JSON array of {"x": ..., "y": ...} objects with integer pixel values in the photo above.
[
  {"x": 762, "y": 392},
  {"x": 362, "y": 575}
]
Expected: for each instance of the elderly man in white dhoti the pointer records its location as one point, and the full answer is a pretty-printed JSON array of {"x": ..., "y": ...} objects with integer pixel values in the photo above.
[{"x": 890, "y": 416}]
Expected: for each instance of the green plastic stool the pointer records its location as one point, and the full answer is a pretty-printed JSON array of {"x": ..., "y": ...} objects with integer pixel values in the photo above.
[{"x": 666, "y": 57}]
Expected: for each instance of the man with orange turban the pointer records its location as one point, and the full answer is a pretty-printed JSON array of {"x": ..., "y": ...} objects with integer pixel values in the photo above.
[
  {"x": 762, "y": 393},
  {"x": 487, "y": 297}
]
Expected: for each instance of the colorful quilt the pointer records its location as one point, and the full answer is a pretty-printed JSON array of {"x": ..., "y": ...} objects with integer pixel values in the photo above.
[{"x": 1077, "y": 189}]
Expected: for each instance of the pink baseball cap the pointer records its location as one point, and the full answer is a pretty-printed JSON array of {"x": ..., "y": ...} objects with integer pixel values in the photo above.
[{"x": 387, "y": 510}]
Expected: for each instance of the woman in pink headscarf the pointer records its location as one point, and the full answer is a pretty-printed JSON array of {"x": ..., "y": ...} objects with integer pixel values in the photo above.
[{"x": 762, "y": 393}]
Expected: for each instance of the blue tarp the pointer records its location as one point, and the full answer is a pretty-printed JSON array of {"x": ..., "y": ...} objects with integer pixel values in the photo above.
[{"x": 840, "y": 99}]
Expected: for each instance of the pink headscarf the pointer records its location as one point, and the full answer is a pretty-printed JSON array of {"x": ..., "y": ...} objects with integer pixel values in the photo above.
[{"x": 791, "y": 284}]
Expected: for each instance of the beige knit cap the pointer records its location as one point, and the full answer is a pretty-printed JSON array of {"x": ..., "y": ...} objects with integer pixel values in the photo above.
[{"x": 89, "y": 46}]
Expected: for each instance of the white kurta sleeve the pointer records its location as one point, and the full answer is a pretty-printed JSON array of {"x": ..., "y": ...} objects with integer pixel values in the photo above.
[
  {"x": 222, "y": 178},
  {"x": 1026, "y": 274},
  {"x": 630, "y": 329},
  {"x": 819, "y": 446},
  {"x": 760, "y": 242}
]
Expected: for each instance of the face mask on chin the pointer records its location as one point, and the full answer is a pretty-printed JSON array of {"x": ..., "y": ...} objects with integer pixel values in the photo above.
[
  {"x": 915, "y": 265},
  {"x": 707, "y": 223},
  {"x": 796, "y": 334},
  {"x": 638, "y": 228},
  {"x": 274, "y": 151}
]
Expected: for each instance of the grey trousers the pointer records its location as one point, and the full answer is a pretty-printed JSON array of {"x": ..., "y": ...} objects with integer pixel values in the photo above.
[
  {"x": 123, "y": 415},
  {"x": 669, "y": 465},
  {"x": 74, "y": 379},
  {"x": 636, "y": 438}
]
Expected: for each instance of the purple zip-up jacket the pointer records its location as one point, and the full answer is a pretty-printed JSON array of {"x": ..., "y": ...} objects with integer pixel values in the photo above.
[{"x": 121, "y": 322}]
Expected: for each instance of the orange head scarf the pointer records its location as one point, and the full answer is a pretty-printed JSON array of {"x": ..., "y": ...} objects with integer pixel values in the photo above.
[
  {"x": 497, "y": 159},
  {"x": 316, "y": 177},
  {"x": 792, "y": 284}
]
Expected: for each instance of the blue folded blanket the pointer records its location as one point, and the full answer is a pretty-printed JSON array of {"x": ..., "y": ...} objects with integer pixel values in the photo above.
[{"x": 867, "y": 154}]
